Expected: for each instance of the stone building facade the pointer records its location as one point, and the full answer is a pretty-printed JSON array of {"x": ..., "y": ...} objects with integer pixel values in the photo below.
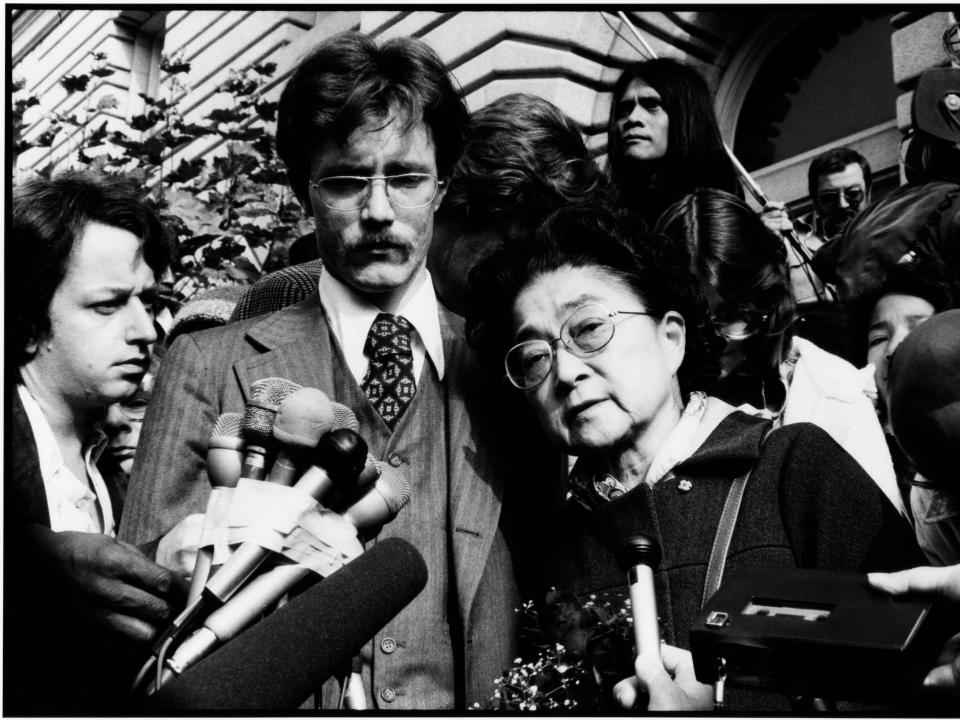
[{"x": 789, "y": 83}]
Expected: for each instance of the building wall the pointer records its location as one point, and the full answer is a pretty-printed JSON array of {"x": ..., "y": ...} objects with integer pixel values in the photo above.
[{"x": 569, "y": 57}]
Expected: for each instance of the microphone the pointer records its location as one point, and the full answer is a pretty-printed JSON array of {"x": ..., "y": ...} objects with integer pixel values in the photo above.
[
  {"x": 280, "y": 661},
  {"x": 224, "y": 467},
  {"x": 225, "y": 451},
  {"x": 639, "y": 556},
  {"x": 266, "y": 395},
  {"x": 333, "y": 451},
  {"x": 301, "y": 421},
  {"x": 380, "y": 504}
]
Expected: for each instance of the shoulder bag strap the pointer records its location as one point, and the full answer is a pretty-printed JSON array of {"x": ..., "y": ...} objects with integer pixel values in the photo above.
[{"x": 721, "y": 542}]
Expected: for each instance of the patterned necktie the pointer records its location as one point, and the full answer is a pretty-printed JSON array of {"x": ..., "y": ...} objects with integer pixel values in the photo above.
[{"x": 389, "y": 383}]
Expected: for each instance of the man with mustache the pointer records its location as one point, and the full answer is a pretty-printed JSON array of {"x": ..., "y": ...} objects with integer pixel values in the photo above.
[
  {"x": 78, "y": 603},
  {"x": 370, "y": 135}
]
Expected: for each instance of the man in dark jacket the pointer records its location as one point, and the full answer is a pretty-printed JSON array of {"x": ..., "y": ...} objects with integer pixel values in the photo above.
[{"x": 77, "y": 602}]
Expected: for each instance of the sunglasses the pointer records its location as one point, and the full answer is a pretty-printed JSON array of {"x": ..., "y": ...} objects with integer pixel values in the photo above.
[{"x": 854, "y": 196}]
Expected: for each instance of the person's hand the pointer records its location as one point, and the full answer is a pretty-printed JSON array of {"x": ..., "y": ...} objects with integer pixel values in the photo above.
[
  {"x": 941, "y": 582},
  {"x": 774, "y": 215},
  {"x": 671, "y": 685},
  {"x": 109, "y": 582}
]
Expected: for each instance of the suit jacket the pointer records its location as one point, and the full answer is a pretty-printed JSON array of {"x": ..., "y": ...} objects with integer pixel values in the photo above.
[
  {"x": 210, "y": 372},
  {"x": 55, "y": 661}
]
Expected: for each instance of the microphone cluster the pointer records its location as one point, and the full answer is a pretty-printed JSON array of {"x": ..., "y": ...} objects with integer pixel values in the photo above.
[{"x": 292, "y": 482}]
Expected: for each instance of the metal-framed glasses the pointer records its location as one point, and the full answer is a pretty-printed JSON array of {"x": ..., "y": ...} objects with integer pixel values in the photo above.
[
  {"x": 588, "y": 330},
  {"x": 351, "y": 192},
  {"x": 853, "y": 195},
  {"x": 738, "y": 324}
]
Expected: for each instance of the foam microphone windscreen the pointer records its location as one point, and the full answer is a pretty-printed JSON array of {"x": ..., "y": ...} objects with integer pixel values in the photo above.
[{"x": 277, "y": 663}]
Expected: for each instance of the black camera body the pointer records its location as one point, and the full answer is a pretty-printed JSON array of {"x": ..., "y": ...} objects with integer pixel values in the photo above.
[{"x": 816, "y": 634}]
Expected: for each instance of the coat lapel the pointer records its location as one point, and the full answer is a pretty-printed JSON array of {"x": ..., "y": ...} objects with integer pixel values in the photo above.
[
  {"x": 476, "y": 488},
  {"x": 295, "y": 344},
  {"x": 25, "y": 494}
]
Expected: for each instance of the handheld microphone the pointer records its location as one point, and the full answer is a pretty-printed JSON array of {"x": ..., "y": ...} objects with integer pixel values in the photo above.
[
  {"x": 256, "y": 425},
  {"x": 639, "y": 556},
  {"x": 302, "y": 419},
  {"x": 224, "y": 467},
  {"x": 280, "y": 661},
  {"x": 380, "y": 504},
  {"x": 225, "y": 451}
]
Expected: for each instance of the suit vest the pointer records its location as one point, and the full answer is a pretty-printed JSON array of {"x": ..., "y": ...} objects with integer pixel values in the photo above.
[{"x": 410, "y": 663}]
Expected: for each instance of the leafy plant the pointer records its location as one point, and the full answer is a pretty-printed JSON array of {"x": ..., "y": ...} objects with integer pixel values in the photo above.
[{"x": 227, "y": 208}]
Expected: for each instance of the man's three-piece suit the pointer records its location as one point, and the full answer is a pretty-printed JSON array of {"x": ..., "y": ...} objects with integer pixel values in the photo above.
[{"x": 457, "y": 484}]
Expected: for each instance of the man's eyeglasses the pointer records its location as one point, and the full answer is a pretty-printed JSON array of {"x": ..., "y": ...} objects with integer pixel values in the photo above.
[
  {"x": 588, "y": 330},
  {"x": 351, "y": 192},
  {"x": 853, "y": 195}
]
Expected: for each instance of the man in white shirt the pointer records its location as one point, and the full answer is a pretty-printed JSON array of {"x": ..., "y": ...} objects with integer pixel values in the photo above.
[
  {"x": 78, "y": 601},
  {"x": 370, "y": 136}
]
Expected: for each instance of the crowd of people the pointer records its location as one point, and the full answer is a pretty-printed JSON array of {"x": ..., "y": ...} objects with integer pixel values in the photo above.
[{"x": 556, "y": 356}]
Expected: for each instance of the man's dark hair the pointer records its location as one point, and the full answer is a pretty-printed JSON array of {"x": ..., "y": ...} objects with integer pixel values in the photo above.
[
  {"x": 523, "y": 159},
  {"x": 49, "y": 218},
  {"x": 835, "y": 161},
  {"x": 695, "y": 154},
  {"x": 348, "y": 82}
]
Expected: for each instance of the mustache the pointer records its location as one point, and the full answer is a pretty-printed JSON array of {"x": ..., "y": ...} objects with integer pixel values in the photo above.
[{"x": 376, "y": 240}]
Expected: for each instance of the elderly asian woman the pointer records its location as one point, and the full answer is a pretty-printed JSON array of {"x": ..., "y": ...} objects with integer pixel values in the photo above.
[{"x": 606, "y": 337}]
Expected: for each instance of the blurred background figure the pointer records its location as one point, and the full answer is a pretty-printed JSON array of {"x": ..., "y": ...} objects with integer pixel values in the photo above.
[
  {"x": 839, "y": 182},
  {"x": 921, "y": 218},
  {"x": 123, "y": 423},
  {"x": 910, "y": 295},
  {"x": 663, "y": 140},
  {"x": 924, "y": 398},
  {"x": 765, "y": 364},
  {"x": 523, "y": 159}
]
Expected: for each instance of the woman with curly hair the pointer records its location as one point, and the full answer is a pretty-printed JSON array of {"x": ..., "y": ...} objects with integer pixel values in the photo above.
[
  {"x": 605, "y": 336},
  {"x": 663, "y": 140}
]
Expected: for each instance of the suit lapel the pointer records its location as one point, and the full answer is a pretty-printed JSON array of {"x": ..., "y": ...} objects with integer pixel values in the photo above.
[
  {"x": 26, "y": 496},
  {"x": 476, "y": 488},
  {"x": 295, "y": 344}
]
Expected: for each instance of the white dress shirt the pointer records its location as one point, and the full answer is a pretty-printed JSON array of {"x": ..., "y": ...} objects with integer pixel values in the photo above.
[
  {"x": 74, "y": 504},
  {"x": 351, "y": 316}
]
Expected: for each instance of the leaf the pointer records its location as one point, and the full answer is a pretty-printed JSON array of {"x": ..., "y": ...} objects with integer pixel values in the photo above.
[
  {"x": 242, "y": 134},
  {"x": 243, "y": 270},
  {"x": 74, "y": 83},
  {"x": 98, "y": 135},
  {"x": 174, "y": 65},
  {"x": 107, "y": 102},
  {"x": 192, "y": 129},
  {"x": 145, "y": 122},
  {"x": 98, "y": 56},
  {"x": 186, "y": 170},
  {"x": 267, "y": 110},
  {"x": 269, "y": 176},
  {"x": 267, "y": 69},
  {"x": 239, "y": 85},
  {"x": 46, "y": 138},
  {"x": 226, "y": 115},
  {"x": 102, "y": 71}
]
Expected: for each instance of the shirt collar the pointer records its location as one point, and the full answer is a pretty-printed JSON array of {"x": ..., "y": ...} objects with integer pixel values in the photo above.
[
  {"x": 351, "y": 315},
  {"x": 48, "y": 450}
]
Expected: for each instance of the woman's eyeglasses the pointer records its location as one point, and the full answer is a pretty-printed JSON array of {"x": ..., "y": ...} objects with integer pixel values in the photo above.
[
  {"x": 738, "y": 324},
  {"x": 589, "y": 329}
]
